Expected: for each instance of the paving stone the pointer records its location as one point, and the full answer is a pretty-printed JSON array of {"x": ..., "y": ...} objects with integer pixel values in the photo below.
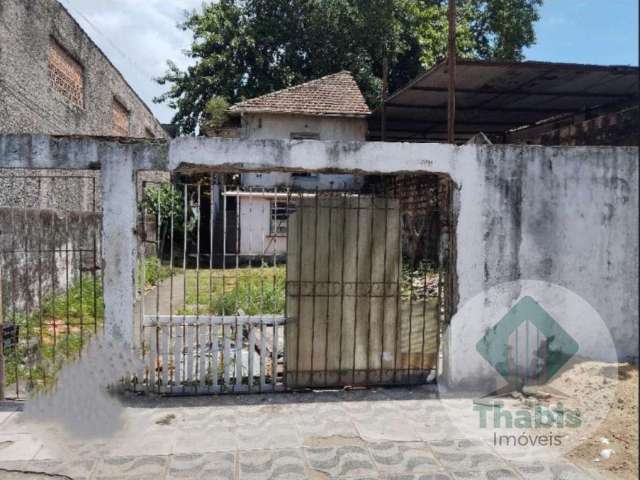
[
  {"x": 380, "y": 427},
  {"x": 205, "y": 439},
  {"x": 465, "y": 455},
  {"x": 78, "y": 470},
  {"x": 138, "y": 467},
  {"x": 225, "y": 417},
  {"x": 18, "y": 446},
  {"x": 14, "y": 422},
  {"x": 551, "y": 471},
  {"x": 210, "y": 466},
  {"x": 341, "y": 461},
  {"x": 490, "y": 474},
  {"x": 324, "y": 420},
  {"x": 141, "y": 443},
  {"x": 418, "y": 476},
  {"x": 4, "y": 416},
  {"x": 287, "y": 436},
  {"x": 270, "y": 434},
  {"x": 73, "y": 452},
  {"x": 437, "y": 426},
  {"x": 403, "y": 457},
  {"x": 287, "y": 464}
]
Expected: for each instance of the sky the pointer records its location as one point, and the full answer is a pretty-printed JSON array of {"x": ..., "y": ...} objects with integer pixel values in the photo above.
[{"x": 139, "y": 36}]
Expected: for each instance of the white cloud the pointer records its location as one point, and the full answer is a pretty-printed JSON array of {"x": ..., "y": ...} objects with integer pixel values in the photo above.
[{"x": 138, "y": 36}]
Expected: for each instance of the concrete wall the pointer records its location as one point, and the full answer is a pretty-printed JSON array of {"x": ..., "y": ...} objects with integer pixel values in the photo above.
[
  {"x": 282, "y": 126},
  {"x": 29, "y": 105},
  {"x": 566, "y": 215}
]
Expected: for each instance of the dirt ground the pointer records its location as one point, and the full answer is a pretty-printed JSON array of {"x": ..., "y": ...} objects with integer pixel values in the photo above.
[{"x": 619, "y": 430}]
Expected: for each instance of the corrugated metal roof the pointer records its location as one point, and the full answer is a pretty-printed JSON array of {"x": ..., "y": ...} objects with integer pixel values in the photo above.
[{"x": 495, "y": 97}]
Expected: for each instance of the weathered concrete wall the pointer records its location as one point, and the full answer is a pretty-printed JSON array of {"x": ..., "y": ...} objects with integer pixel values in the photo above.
[
  {"x": 266, "y": 126},
  {"x": 44, "y": 250},
  {"x": 77, "y": 153},
  {"x": 270, "y": 126},
  {"x": 27, "y": 102},
  {"x": 566, "y": 215},
  {"x": 55, "y": 189}
]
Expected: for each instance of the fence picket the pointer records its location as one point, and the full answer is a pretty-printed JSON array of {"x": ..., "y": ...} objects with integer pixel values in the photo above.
[
  {"x": 177, "y": 356},
  {"x": 214, "y": 358},
  {"x": 274, "y": 357},
  {"x": 164, "y": 330},
  {"x": 263, "y": 345},
  {"x": 226, "y": 356},
  {"x": 188, "y": 375},
  {"x": 152, "y": 358},
  {"x": 203, "y": 348},
  {"x": 238, "y": 356},
  {"x": 250, "y": 354}
]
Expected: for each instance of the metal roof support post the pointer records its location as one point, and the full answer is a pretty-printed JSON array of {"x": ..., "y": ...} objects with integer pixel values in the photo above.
[
  {"x": 451, "y": 108},
  {"x": 385, "y": 93}
]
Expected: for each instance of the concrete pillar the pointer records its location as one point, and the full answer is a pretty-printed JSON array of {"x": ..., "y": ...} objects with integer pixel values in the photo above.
[{"x": 118, "y": 240}]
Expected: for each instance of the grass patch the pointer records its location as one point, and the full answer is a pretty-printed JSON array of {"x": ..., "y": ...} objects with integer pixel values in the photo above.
[
  {"x": 54, "y": 331},
  {"x": 154, "y": 271},
  {"x": 248, "y": 291}
]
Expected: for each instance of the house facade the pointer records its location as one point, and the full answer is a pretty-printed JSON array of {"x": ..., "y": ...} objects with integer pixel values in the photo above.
[{"x": 329, "y": 108}]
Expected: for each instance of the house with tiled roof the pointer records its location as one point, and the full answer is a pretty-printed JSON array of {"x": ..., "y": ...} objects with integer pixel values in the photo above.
[
  {"x": 328, "y": 108},
  {"x": 335, "y": 95}
]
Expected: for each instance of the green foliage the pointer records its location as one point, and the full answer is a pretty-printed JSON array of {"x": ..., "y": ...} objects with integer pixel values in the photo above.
[
  {"x": 216, "y": 112},
  {"x": 154, "y": 271},
  {"x": 251, "y": 291},
  {"x": 168, "y": 203},
  {"x": 246, "y": 48}
]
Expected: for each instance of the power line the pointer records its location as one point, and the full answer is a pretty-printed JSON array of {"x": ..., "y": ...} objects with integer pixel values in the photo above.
[
  {"x": 147, "y": 75},
  {"x": 21, "y": 95},
  {"x": 31, "y": 105}
]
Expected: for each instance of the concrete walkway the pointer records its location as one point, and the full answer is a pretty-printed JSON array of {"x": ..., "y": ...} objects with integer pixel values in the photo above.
[
  {"x": 160, "y": 300},
  {"x": 400, "y": 434}
]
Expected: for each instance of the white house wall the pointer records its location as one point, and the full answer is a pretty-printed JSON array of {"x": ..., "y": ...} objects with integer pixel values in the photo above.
[
  {"x": 255, "y": 220},
  {"x": 283, "y": 126}
]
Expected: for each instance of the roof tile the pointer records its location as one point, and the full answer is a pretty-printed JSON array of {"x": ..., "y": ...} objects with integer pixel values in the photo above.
[{"x": 337, "y": 95}]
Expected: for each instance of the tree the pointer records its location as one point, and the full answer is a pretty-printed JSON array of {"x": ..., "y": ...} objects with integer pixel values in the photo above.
[{"x": 246, "y": 48}]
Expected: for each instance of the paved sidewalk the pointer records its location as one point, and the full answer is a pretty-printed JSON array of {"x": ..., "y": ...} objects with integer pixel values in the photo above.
[{"x": 400, "y": 434}]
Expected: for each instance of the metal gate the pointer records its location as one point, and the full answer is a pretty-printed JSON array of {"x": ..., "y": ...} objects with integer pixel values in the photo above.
[
  {"x": 250, "y": 289},
  {"x": 50, "y": 277}
]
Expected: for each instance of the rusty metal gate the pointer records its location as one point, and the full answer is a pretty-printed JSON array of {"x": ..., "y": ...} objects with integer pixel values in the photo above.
[
  {"x": 247, "y": 288},
  {"x": 50, "y": 278}
]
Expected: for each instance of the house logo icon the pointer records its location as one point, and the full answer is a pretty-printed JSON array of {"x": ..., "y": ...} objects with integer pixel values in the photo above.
[{"x": 527, "y": 346}]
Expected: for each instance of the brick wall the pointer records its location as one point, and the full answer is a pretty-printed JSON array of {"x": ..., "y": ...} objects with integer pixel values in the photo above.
[
  {"x": 423, "y": 208},
  {"x": 55, "y": 80}
]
